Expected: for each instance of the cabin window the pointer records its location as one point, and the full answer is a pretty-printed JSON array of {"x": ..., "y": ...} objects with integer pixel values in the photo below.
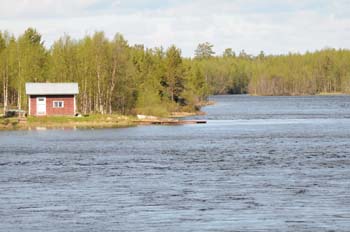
[{"x": 58, "y": 104}]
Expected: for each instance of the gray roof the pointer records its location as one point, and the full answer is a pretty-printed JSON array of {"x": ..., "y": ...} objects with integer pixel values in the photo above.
[{"x": 52, "y": 88}]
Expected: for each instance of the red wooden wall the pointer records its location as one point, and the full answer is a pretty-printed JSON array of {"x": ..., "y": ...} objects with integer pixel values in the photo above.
[{"x": 68, "y": 108}]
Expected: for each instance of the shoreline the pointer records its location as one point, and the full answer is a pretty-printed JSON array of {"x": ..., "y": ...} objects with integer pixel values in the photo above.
[
  {"x": 89, "y": 122},
  {"x": 53, "y": 122},
  {"x": 298, "y": 95}
]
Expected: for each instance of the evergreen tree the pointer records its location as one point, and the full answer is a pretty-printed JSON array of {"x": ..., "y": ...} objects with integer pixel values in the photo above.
[
  {"x": 204, "y": 51},
  {"x": 174, "y": 74}
]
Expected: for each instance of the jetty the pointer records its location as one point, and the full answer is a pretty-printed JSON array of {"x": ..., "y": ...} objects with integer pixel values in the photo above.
[{"x": 168, "y": 122}]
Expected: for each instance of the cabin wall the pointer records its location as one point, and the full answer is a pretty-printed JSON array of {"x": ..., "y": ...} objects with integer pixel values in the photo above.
[
  {"x": 68, "y": 108},
  {"x": 32, "y": 107}
]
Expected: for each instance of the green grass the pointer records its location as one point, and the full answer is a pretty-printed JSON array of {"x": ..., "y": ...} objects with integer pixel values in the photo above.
[
  {"x": 3, "y": 121},
  {"x": 8, "y": 123},
  {"x": 66, "y": 119},
  {"x": 92, "y": 121}
]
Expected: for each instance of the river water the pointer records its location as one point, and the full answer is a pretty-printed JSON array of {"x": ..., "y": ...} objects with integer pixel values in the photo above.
[{"x": 259, "y": 164}]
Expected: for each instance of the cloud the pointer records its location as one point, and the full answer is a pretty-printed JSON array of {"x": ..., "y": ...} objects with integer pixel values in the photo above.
[{"x": 273, "y": 26}]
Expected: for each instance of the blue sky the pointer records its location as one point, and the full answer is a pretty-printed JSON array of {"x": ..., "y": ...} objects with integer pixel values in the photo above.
[{"x": 274, "y": 26}]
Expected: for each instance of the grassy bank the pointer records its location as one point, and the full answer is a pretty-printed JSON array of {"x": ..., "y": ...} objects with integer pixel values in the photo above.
[
  {"x": 331, "y": 93},
  {"x": 9, "y": 124},
  {"x": 91, "y": 121},
  {"x": 185, "y": 114}
]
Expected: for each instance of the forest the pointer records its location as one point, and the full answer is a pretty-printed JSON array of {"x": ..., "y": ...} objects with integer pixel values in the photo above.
[{"x": 116, "y": 77}]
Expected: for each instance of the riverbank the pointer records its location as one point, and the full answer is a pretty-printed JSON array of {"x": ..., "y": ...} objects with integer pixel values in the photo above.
[
  {"x": 303, "y": 95},
  {"x": 91, "y": 121},
  {"x": 331, "y": 94},
  {"x": 185, "y": 114}
]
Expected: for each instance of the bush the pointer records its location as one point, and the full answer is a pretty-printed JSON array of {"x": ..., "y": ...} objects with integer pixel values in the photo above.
[{"x": 153, "y": 110}]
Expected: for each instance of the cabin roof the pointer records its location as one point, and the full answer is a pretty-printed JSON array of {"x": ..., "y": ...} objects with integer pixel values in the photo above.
[{"x": 52, "y": 88}]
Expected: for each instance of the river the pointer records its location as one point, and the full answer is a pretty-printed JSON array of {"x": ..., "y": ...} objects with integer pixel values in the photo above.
[{"x": 259, "y": 164}]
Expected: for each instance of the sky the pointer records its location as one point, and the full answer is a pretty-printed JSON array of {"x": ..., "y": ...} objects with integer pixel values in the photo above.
[{"x": 272, "y": 26}]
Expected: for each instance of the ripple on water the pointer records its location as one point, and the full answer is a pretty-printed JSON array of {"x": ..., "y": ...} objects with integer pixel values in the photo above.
[{"x": 260, "y": 164}]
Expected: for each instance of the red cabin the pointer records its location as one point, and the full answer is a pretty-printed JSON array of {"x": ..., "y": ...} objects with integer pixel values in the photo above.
[{"x": 49, "y": 99}]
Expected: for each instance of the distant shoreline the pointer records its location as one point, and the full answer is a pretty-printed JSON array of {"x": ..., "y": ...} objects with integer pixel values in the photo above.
[{"x": 296, "y": 95}]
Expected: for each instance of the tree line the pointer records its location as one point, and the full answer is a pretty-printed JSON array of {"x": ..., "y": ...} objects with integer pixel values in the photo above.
[
  {"x": 324, "y": 71},
  {"x": 115, "y": 76}
]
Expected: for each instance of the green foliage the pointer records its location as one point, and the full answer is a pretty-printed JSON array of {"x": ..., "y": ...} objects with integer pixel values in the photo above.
[
  {"x": 196, "y": 90},
  {"x": 113, "y": 76},
  {"x": 174, "y": 74},
  {"x": 204, "y": 51},
  {"x": 30, "y": 62},
  {"x": 325, "y": 71},
  {"x": 149, "y": 102},
  {"x": 229, "y": 53}
]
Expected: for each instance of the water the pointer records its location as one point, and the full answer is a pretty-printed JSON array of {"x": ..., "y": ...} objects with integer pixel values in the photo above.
[{"x": 260, "y": 164}]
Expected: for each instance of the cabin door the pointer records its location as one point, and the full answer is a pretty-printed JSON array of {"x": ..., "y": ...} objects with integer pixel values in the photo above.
[{"x": 41, "y": 105}]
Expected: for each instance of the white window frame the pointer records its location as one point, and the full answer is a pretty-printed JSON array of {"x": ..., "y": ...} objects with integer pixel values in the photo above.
[{"x": 58, "y": 104}]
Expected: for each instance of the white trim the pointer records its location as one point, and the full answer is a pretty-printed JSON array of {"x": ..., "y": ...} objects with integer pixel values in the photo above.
[
  {"x": 75, "y": 106},
  {"x": 29, "y": 101},
  {"x": 58, "y": 104}
]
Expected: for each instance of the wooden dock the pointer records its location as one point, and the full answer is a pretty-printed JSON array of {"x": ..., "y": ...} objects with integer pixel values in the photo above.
[{"x": 168, "y": 122}]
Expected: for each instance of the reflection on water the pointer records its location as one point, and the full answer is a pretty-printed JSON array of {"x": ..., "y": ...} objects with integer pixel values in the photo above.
[
  {"x": 42, "y": 128},
  {"x": 260, "y": 164}
]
